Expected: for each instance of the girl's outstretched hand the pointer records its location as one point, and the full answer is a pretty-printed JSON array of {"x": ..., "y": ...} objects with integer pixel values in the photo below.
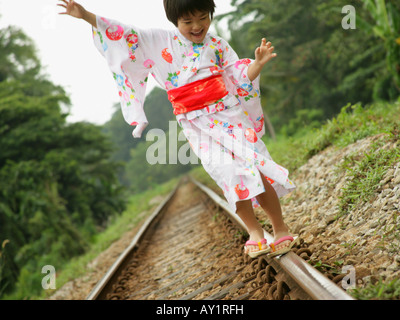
[
  {"x": 76, "y": 10},
  {"x": 264, "y": 52},
  {"x": 72, "y": 8}
]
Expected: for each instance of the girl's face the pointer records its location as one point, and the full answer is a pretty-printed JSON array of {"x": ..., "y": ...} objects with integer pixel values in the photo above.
[{"x": 194, "y": 27}]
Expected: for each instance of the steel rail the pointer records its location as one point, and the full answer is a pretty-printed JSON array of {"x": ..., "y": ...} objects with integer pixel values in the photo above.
[
  {"x": 97, "y": 290},
  {"x": 308, "y": 278}
]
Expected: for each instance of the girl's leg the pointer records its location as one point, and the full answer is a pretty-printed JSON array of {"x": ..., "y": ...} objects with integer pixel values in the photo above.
[
  {"x": 246, "y": 213},
  {"x": 269, "y": 201}
]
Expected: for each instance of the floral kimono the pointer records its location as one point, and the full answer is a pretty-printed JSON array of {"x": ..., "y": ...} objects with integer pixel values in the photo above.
[{"x": 225, "y": 134}]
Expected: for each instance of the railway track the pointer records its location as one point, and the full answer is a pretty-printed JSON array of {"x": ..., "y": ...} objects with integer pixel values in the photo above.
[{"x": 191, "y": 248}]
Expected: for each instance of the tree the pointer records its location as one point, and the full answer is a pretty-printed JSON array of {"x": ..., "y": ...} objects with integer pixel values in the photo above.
[
  {"x": 385, "y": 25},
  {"x": 320, "y": 67},
  {"x": 17, "y": 55},
  {"x": 58, "y": 186}
]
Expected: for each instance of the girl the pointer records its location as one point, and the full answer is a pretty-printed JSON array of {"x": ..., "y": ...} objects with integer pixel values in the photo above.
[{"x": 216, "y": 100}]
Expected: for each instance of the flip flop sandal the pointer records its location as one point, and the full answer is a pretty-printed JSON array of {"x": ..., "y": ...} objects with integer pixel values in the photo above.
[
  {"x": 275, "y": 252},
  {"x": 254, "y": 254}
]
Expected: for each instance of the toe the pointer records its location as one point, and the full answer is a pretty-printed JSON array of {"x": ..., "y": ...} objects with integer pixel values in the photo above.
[
  {"x": 283, "y": 245},
  {"x": 250, "y": 248},
  {"x": 253, "y": 248}
]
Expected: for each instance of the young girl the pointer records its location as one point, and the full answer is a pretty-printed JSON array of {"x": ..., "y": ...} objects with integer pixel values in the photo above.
[{"x": 215, "y": 97}]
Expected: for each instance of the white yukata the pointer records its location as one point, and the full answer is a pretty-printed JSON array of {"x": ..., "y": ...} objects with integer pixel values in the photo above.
[{"x": 226, "y": 135}]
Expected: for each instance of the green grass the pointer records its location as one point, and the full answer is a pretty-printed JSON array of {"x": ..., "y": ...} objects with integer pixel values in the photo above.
[
  {"x": 383, "y": 290},
  {"x": 353, "y": 123},
  {"x": 365, "y": 173}
]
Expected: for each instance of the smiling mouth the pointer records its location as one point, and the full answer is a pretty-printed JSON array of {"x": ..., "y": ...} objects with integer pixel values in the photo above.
[{"x": 197, "y": 34}]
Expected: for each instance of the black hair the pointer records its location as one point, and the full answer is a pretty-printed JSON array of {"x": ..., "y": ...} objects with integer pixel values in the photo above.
[{"x": 176, "y": 9}]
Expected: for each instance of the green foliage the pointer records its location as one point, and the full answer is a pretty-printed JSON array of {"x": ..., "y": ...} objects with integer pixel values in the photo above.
[
  {"x": 320, "y": 66},
  {"x": 57, "y": 184},
  {"x": 3, "y": 258},
  {"x": 304, "y": 118},
  {"x": 385, "y": 24},
  {"x": 17, "y": 55},
  {"x": 139, "y": 207},
  {"x": 143, "y": 174},
  {"x": 382, "y": 290}
]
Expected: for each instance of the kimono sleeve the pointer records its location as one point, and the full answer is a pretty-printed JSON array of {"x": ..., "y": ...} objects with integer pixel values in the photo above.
[
  {"x": 120, "y": 45},
  {"x": 239, "y": 84}
]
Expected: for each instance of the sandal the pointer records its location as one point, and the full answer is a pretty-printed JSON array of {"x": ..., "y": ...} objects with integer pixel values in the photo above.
[
  {"x": 254, "y": 254},
  {"x": 294, "y": 241}
]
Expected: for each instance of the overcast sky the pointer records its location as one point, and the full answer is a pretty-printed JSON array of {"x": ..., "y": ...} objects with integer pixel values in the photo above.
[{"x": 66, "y": 50}]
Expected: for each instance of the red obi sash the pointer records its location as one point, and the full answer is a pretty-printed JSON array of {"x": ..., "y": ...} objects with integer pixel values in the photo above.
[{"x": 198, "y": 94}]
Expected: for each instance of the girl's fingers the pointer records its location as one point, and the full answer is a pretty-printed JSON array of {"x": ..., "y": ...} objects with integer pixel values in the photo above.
[
  {"x": 63, "y": 5},
  {"x": 263, "y": 41}
]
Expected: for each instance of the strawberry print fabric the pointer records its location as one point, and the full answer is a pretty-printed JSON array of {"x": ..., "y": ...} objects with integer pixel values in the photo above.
[{"x": 225, "y": 135}]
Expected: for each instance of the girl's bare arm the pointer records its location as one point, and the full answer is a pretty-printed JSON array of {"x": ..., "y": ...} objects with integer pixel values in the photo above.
[
  {"x": 75, "y": 10},
  {"x": 263, "y": 54}
]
